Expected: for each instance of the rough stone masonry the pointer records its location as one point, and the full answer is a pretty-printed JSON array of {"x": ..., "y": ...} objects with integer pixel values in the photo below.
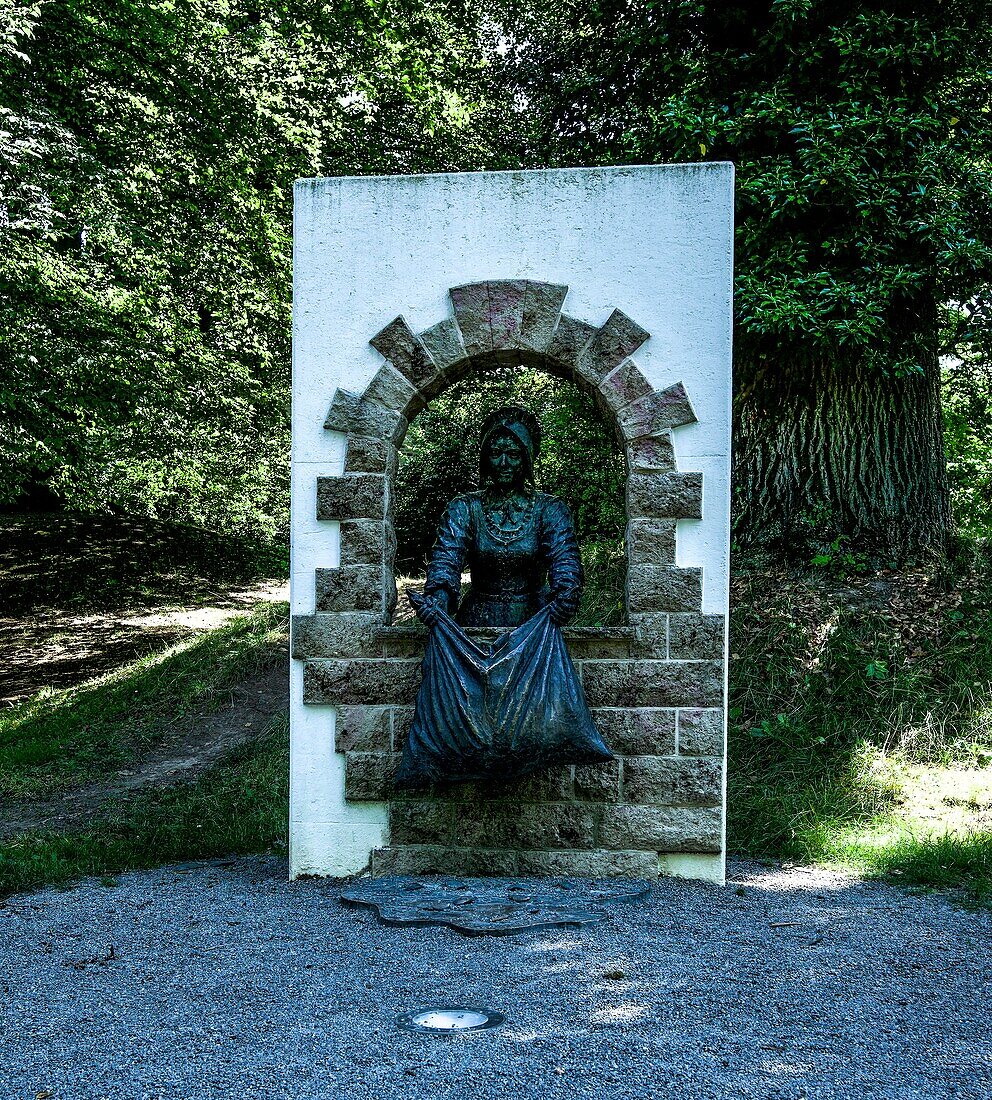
[{"x": 656, "y": 685}]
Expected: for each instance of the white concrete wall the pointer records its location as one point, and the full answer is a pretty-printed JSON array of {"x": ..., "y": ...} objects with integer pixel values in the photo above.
[{"x": 655, "y": 242}]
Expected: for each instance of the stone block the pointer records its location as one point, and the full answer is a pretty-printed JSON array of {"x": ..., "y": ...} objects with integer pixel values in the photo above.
[
  {"x": 506, "y": 304},
  {"x": 598, "y": 863},
  {"x": 539, "y": 315},
  {"x": 653, "y": 683},
  {"x": 363, "y": 542},
  {"x": 509, "y": 825},
  {"x": 663, "y": 588},
  {"x": 404, "y": 641},
  {"x": 650, "y": 542},
  {"x": 363, "y": 729},
  {"x": 370, "y": 681},
  {"x": 393, "y": 391},
  {"x": 420, "y": 822},
  {"x": 691, "y": 637},
  {"x": 350, "y": 588},
  {"x": 444, "y": 344},
  {"x": 401, "y": 720},
  {"x": 646, "y": 731},
  {"x": 368, "y": 455},
  {"x": 607, "y": 643},
  {"x": 651, "y": 633},
  {"x": 701, "y": 732},
  {"x": 651, "y": 452},
  {"x": 336, "y": 635},
  {"x": 407, "y": 353},
  {"x": 598, "y": 782},
  {"x": 673, "y": 781},
  {"x": 570, "y": 340},
  {"x": 662, "y": 828},
  {"x": 437, "y": 860},
  {"x": 368, "y": 776},
  {"x": 350, "y": 413},
  {"x": 471, "y": 305},
  {"x": 552, "y": 785},
  {"x": 351, "y": 496},
  {"x": 617, "y": 339},
  {"x": 665, "y": 495},
  {"x": 657, "y": 413},
  {"x": 624, "y": 385}
]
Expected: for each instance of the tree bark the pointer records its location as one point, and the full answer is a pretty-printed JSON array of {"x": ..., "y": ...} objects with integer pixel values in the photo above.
[{"x": 840, "y": 451}]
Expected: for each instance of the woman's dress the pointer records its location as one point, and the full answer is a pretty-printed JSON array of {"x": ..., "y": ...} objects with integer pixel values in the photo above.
[{"x": 513, "y": 706}]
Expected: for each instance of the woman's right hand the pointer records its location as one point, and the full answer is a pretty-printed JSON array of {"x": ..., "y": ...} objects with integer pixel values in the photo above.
[{"x": 430, "y": 608}]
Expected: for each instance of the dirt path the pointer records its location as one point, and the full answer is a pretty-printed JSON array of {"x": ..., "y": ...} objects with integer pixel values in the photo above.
[
  {"x": 59, "y": 648},
  {"x": 194, "y": 746}
]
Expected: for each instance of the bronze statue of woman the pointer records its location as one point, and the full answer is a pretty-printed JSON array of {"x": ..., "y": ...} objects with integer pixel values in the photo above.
[
  {"x": 515, "y": 706},
  {"x": 519, "y": 544}
]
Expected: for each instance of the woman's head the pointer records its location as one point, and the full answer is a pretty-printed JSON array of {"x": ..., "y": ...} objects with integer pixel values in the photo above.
[{"x": 510, "y": 443}]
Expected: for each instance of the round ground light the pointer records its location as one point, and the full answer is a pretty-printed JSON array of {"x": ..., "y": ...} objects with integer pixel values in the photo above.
[{"x": 449, "y": 1019}]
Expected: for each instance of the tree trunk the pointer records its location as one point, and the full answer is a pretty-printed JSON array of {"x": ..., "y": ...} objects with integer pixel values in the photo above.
[{"x": 841, "y": 451}]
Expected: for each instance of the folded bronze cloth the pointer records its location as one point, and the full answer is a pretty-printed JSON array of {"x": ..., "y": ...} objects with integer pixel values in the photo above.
[{"x": 506, "y": 710}]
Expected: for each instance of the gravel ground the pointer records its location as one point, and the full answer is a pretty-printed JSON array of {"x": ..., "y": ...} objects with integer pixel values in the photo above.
[{"x": 227, "y": 981}]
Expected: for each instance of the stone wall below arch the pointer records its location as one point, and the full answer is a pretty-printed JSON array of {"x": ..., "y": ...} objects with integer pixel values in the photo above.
[{"x": 656, "y": 685}]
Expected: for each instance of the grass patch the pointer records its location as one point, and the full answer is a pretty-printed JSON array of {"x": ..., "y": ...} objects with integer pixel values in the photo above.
[
  {"x": 240, "y": 806},
  {"x": 59, "y": 739},
  {"x": 100, "y": 562},
  {"x": 861, "y": 724}
]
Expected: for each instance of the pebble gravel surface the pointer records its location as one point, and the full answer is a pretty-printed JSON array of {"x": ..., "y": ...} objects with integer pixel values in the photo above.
[{"x": 224, "y": 980}]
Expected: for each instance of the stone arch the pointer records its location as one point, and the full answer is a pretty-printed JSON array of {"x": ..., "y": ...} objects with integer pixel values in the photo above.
[
  {"x": 656, "y": 685},
  {"x": 507, "y": 323}
]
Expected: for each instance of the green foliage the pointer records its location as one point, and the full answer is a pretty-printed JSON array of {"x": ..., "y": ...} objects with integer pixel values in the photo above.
[
  {"x": 147, "y": 155},
  {"x": 967, "y": 402},
  {"x": 579, "y": 462},
  {"x": 860, "y": 137},
  {"x": 239, "y": 806},
  {"x": 75, "y": 735},
  {"x": 842, "y": 704}
]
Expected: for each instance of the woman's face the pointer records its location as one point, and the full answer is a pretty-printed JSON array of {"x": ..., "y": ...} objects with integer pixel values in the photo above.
[{"x": 505, "y": 459}]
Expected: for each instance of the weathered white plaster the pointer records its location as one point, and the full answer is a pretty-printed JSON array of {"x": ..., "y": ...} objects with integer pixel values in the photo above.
[{"x": 655, "y": 242}]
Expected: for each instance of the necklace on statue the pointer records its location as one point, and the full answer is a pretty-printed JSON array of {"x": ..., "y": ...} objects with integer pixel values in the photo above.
[{"x": 506, "y": 523}]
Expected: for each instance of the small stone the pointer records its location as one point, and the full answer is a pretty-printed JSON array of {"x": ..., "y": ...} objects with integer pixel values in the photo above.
[
  {"x": 350, "y": 588},
  {"x": 363, "y": 729},
  {"x": 471, "y": 305},
  {"x": 637, "y": 732},
  {"x": 594, "y": 864},
  {"x": 368, "y": 776},
  {"x": 506, "y": 302},
  {"x": 570, "y": 340},
  {"x": 657, "y": 413},
  {"x": 598, "y": 782},
  {"x": 377, "y": 682},
  {"x": 443, "y": 343},
  {"x": 407, "y": 353},
  {"x": 420, "y": 823},
  {"x": 695, "y": 636},
  {"x": 663, "y": 828},
  {"x": 368, "y": 455},
  {"x": 336, "y": 635},
  {"x": 653, "y": 683},
  {"x": 539, "y": 315},
  {"x": 701, "y": 732},
  {"x": 624, "y": 385},
  {"x": 673, "y": 781},
  {"x": 665, "y": 495},
  {"x": 363, "y": 542},
  {"x": 650, "y": 542},
  {"x": 393, "y": 391},
  {"x": 650, "y": 453},
  {"x": 664, "y": 588},
  {"x": 351, "y": 496}
]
